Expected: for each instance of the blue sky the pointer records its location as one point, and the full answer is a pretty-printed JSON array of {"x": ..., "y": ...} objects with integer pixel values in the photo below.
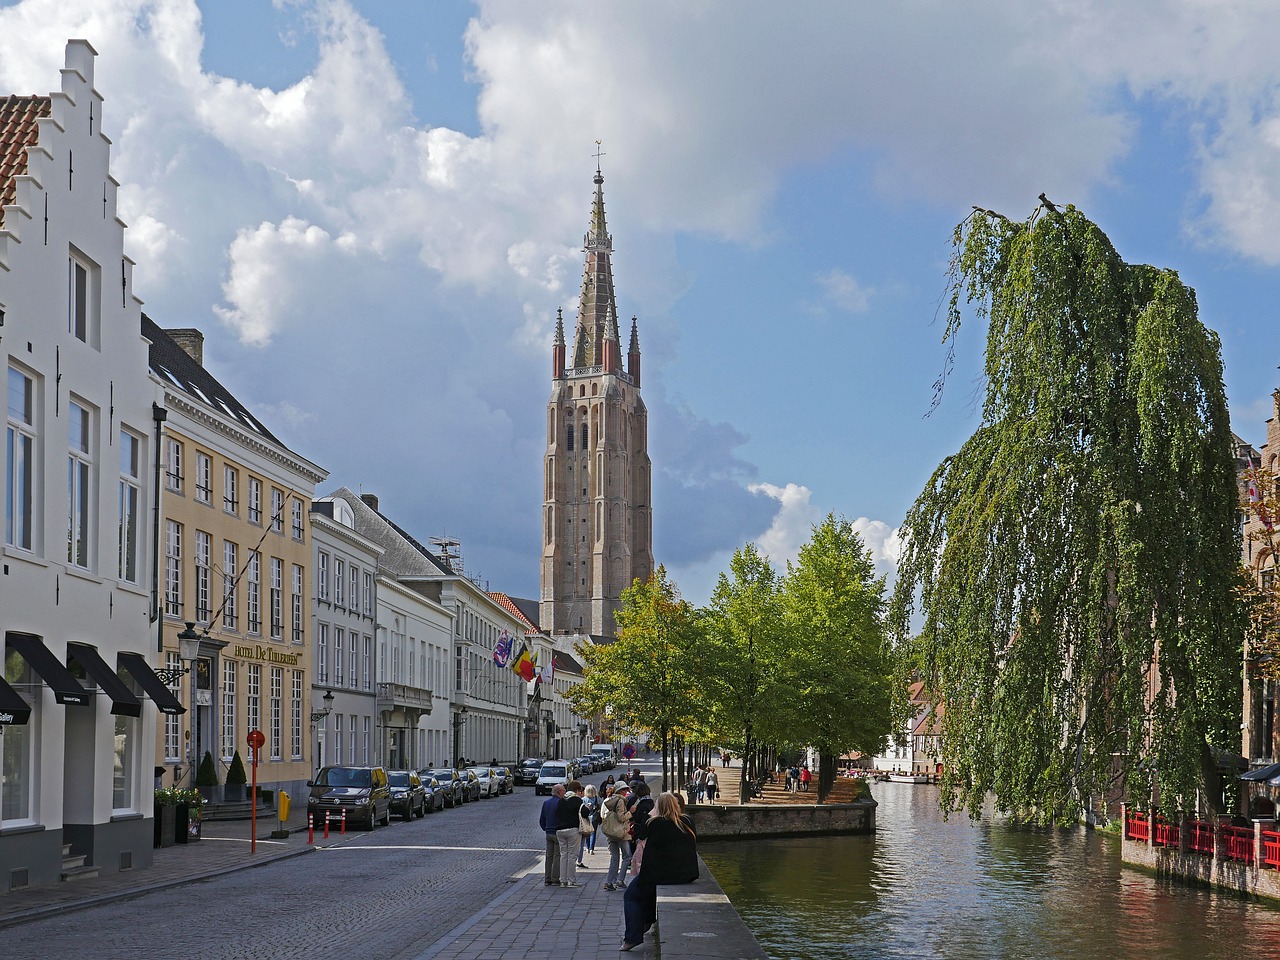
[{"x": 373, "y": 210}]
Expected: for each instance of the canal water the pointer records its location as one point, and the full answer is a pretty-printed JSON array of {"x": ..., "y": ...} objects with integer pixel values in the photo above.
[{"x": 924, "y": 887}]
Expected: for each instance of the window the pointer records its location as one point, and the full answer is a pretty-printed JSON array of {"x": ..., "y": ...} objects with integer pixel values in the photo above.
[
  {"x": 79, "y": 484},
  {"x": 81, "y": 306},
  {"x": 322, "y": 576},
  {"x": 339, "y": 638},
  {"x": 173, "y": 465},
  {"x": 355, "y": 589},
  {"x": 353, "y": 681},
  {"x": 297, "y": 604},
  {"x": 569, "y": 437},
  {"x": 277, "y": 510},
  {"x": 17, "y": 746},
  {"x": 173, "y": 569},
  {"x": 253, "y": 703},
  {"x": 277, "y": 711},
  {"x": 204, "y": 478},
  {"x": 353, "y": 737},
  {"x": 20, "y": 461},
  {"x": 204, "y": 551},
  {"x": 322, "y": 652},
  {"x": 368, "y": 594},
  {"x": 124, "y": 764},
  {"x": 230, "y": 489},
  {"x": 255, "y": 500},
  {"x": 339, "y": 578},
  {"x": 253, "y": 593},
  {"x": 171, "y": 720},
  {"x": 368, "y": 665},
  {"x": 295, "y": 716},
  {"x": 366, "y": 741},
  {"x": 130, "y": 498},
  {"x": 277, "y": 598},
  {"x": 228, "y": 709},
  {"x": 230, "y": 615},
  {"x": 337, "y": 744},
  {"x": 297, "y": 519}
]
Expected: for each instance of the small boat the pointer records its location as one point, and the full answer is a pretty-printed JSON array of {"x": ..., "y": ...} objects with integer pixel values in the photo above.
[{"x": 908, "y": 778}]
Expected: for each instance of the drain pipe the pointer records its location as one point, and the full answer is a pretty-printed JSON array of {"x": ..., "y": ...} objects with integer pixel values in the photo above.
[{"x": 158, "y": 415}]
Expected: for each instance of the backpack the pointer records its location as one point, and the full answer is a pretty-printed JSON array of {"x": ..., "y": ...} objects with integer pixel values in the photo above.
[{"x": 614, "y": 826}]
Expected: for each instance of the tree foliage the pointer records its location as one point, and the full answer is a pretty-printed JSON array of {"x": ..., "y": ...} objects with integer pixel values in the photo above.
[{"x": 1073, "y": 563}]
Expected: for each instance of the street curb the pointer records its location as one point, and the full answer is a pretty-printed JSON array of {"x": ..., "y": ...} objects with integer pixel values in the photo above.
[
  {"x": 448, "y": 939},
  {"x": 57, "y": 909}
]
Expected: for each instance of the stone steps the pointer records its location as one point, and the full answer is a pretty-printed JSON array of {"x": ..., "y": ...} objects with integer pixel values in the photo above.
[{"x": 74, "y": 867}]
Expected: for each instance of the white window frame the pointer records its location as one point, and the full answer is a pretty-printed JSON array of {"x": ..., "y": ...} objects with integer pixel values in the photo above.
[
  {"x": 255, "y": 501},
  {"x": 322, "y": 652},
  {"x": 277, "y": 598},
  {"x": 172, "y": 568},
  {"x": 277, "y": 510},
  {"x": 295, "y": 708},
  {"x": 203, "y": 564},
  {"x": 83, "y": 293},
  {"x": 22, "y": 470},
  {"x": 204, "y": 478},
  {"x": 339, "y": 582},
  {"x": 230, "y": 490},
  {"x": 299, "y": 530},
  {"x": 230, "y": 615},
  {"x": 276, "y": 738},
  {"x": 253, "y": 703},
  {"x": 129, "y": 502},
  {"x": 173, "y": 454},
  {"x": 298, "y": 628},
  {"x": 228, "y": 709},
  {"x": 81, "y": 495},
  {"x": 322, "y": 576},
  {"x": 253, "y": 596}
]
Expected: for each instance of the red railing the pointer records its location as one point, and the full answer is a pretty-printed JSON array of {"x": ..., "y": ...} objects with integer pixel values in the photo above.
[
  {"x": 1270, "y": 848},
  {"x": 1200, "y": 836},
  {"x": 1166, "y": 834},
  {"x": 1239, "y": 843},
  {"x": 1136, "y": 826}
]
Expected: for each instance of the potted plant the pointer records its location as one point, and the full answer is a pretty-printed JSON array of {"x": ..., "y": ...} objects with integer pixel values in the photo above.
[
  {"x": 236, "y": 780},
  {"x": 207, "y": 776},
  {"x": 187, "y": 805},
  {"x": 165, "y": 818}
]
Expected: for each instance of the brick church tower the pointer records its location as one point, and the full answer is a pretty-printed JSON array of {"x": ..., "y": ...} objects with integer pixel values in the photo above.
[{"x": 597, "y": 516}]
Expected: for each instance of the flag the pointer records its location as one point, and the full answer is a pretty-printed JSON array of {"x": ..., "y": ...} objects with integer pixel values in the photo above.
[
  {"x": 548, "y": 672},
  {"x": 502, "y": 649},
  {"x": 524, "y": 664}
]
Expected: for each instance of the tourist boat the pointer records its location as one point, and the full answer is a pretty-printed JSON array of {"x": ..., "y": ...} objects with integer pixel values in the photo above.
[{"x": 908, "y": 778}]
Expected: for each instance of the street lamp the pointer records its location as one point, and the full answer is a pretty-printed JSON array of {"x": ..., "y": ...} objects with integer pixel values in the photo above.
[
  {"x": 459, "y": 721},
  {"x": 319, "y": 716},
  {"x": 189, "y": 653}
]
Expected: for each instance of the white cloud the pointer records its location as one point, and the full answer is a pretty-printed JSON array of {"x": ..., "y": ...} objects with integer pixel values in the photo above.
[
  {"x": 792, "y": 525},
  {"x": 843, "y": 291}
]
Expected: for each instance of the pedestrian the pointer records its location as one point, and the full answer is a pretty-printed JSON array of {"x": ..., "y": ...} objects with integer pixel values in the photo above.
[
  {"x": 713, "y": 784},
  {"x": 567, "y": 833},
  {"x": 793, "y": 778},
  {"x": 672, "y": 857},
  {"x": 640, "y": 805},
  {"x": 591, "y": 811},
  {"x": 805, "y": 777},
  {"x": 547, "y": 821},
  {"x": 616, "y": 824}
]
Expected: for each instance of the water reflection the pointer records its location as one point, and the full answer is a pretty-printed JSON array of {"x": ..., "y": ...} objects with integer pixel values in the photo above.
[{"x": 924, "y": 887}]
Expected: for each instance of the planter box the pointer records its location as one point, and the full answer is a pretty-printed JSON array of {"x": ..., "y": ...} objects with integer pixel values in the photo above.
[{"x": 165, "y": 829}]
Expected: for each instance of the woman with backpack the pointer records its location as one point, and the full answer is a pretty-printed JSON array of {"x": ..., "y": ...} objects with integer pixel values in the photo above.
[
  {"x": 616, "y": 823},
  {"x": 590, "y": 813}
]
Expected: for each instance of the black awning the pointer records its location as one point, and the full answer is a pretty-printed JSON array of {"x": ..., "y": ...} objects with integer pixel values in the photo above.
[
  {"x": 123, "y": 702},
  {"x": 65, "y": 687},
  {"x": 1262, "y": 773},
  {"x": 135, "y": 664},
  {"x": 13, "y": 709}
]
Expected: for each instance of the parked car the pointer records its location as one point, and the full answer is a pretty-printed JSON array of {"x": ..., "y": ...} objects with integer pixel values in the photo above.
[
  {"x": 435, "y": 791},
  {"x": 408, "y": 795},
  {"x": 551, "y": 773},
  {"x": 489, "y": 786},
  {"x": 450, "y": 784},
  {"x": 506, "y": 782},
  {"x": 526, "y": 775},
  {"x": 470, "y": 785},
  {"x": 362, "y": 792}
]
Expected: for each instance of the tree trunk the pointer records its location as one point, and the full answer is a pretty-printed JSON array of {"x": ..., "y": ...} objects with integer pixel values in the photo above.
[{"x": 826, "y": 774}]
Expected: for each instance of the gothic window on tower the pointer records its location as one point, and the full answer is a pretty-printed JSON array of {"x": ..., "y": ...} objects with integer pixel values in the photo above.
[{"x": 569, "y": 437}]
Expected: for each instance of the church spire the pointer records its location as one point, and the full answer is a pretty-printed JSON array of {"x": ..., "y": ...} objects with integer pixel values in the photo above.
[{"x": 596, "y": 305}]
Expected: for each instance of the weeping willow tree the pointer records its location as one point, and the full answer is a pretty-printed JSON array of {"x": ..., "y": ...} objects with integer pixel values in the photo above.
[{"x": 1072, "y": 567}]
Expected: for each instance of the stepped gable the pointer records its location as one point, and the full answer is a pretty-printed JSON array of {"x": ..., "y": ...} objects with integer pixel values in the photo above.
[
  {"x": 18, "y": 130},
  {"x": 174, "y": 365}
]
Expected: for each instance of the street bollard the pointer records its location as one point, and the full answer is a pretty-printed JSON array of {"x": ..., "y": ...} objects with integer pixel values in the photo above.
[
  {"x": 344, "y": 821},
  {"x": 311, "y": 828},
  {"x": 326, "y": 824}
]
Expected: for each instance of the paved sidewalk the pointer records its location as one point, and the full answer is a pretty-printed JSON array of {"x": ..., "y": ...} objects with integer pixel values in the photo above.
[{"x": 225, "y": 847}]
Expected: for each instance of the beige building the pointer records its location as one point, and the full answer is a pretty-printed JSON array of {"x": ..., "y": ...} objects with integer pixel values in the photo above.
[
  {"x": 597, "y": 508},
  {"x": 235, "y": 561}
]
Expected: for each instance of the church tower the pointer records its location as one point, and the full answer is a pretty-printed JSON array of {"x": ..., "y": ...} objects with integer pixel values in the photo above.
[{"x": 597, "y": 518}]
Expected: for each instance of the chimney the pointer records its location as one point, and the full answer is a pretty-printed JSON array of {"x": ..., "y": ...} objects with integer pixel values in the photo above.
[
  {"x": 191, "y": 341},
  {"x": 370, "y": 500}
]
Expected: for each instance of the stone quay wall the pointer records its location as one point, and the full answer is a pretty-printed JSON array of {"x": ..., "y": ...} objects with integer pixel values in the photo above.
[
  {"x": 715, "y": 822},
  {"x": 696, "y": 920}
]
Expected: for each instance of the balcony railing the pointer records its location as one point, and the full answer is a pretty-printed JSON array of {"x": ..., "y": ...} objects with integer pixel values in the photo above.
[{"x": 392, "y": 696}]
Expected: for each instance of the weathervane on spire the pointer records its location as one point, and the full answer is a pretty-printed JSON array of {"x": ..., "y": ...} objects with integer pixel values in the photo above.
[{"x": 599, "y": 153}]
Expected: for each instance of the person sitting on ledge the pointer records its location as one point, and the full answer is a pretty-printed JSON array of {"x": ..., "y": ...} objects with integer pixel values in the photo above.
[{"x": 670, "y": 856}]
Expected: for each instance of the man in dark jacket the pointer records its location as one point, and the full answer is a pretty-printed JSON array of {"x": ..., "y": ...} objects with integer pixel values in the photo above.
[{"x": 547, "y": 821}]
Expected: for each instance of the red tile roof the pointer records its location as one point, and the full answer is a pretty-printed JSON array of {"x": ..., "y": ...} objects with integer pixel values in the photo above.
[
  {"x": 18, "y": 130},
  {"x": 509, "y": 605}
]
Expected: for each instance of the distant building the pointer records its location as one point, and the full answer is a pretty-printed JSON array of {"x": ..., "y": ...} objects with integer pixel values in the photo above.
[
  {"x": 597, "y": 506},
  {"x": 78, "y": 697}
]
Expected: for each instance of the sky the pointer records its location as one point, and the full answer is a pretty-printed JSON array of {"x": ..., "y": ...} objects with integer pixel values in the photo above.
[{"x": 374, "y": 208}]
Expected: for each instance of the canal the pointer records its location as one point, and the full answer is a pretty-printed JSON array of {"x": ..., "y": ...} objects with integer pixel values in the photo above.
[{"x": 924, "y": 887}]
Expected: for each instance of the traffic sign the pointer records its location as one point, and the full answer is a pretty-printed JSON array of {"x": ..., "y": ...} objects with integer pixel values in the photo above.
[
  {"x": 256, "y": 739},
  {"x": 628, "y": 750}
]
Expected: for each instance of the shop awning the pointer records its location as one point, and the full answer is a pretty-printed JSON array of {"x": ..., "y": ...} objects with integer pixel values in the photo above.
[
  {"x": 135, "y": 664},
  {"x": 13, "y": 709},
  {"x": 1262, "y": 773},
  {"x": 123, "y": 702},
  {"x": 65, "y": 687}
]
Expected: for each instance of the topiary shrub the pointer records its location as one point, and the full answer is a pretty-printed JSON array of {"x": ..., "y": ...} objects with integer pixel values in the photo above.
[
  {"x": 207, "y": 775},
  {"x": 235, "y": 773}
]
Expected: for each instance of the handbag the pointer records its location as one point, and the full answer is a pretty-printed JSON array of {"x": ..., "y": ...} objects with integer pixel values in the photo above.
[{"x": 585, "y": 826}]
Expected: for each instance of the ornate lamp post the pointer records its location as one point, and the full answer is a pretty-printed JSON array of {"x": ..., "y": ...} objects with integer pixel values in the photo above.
[
  {"x": 321, "y": 717},
  {"x": 189, "y": 654}
]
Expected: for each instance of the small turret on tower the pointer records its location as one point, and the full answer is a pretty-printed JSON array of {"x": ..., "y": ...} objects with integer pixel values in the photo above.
[
  {"x": 633, "y": 355},
  {"x": 557, "y": 348}
]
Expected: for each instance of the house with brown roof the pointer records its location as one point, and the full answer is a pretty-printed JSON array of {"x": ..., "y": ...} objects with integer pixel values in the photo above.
[{"x": 79, "y": 700}]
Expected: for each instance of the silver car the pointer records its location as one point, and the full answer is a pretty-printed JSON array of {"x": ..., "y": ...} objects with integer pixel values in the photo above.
[{"x": 490, "y": 785}]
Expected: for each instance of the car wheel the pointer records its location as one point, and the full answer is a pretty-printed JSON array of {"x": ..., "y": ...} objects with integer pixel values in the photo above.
[{"x": 386, "y": 818}]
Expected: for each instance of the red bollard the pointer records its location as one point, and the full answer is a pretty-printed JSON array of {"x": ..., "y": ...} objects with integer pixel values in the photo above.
[
  {"x": 326, "y": 824},
  {"x": 344, "y": 821},
  {"x": 311, "y": 828}
]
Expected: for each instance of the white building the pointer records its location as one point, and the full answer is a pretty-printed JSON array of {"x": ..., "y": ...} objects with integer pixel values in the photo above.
[{"x": 77, "y": 721}]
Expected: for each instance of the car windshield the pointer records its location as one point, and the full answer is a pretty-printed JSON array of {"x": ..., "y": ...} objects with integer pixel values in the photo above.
[
  {"x": 398, "y": 779},
  {"x": 532, "y": 764},
  {"x": 343, "y": 777},
  {"x": 553, "y": 770},
  {"x": 479, "y": 771}
]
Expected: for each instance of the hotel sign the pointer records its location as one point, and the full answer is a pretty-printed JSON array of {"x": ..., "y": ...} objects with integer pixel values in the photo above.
[{"x": 248, "y": 651}]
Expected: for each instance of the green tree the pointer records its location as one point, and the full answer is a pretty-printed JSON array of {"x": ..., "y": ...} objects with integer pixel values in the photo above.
[
  {"x": 646, "y": 677},
  {"x": 1074, "y": 562},
  {"x": 840, "y": 665},
  {"x": 743, "y": 656}
]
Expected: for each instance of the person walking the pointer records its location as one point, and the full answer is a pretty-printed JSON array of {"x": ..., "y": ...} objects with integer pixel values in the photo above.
[
  {"x": 567, "y": 834},
  {"x": 590, "y": 810},
  {"x": 712, "y": 785},
  {"x": 805, "y": 777},
  {"x": 616, "y": 824},
  {"x": 671, "y": 857},
  {"x": 699, "y": 785},
  {"x": 547, "y": 821}
]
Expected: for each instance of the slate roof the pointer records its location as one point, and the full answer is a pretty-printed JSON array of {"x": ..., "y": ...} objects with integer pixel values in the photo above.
[
  {"x": 177, "y": 368},
  {"x": 18, "y": 130},
  {"x": 403, "y": 557}
]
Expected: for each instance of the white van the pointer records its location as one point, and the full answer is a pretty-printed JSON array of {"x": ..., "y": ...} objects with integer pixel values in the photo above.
[
  {"x": 606, "y": 753},
  {"x": 552, "y": 772}
]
